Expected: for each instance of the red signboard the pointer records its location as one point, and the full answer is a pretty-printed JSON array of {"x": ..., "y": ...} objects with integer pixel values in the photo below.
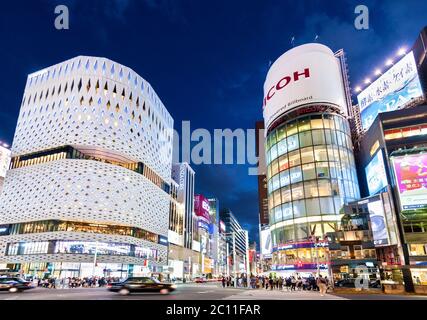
[{"x": 201, "y": 207}]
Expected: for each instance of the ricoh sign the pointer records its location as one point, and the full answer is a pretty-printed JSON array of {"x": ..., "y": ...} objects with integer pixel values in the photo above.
[{"x": 305, "y": 75}]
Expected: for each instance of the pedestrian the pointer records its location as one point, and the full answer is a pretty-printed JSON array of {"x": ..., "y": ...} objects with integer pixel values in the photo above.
[
  {"x": 223, "y": 282},
  {"x": 293, "y": 283},
  {"x": 271, "y": 283},
  {"x": 321, "y": 283}
]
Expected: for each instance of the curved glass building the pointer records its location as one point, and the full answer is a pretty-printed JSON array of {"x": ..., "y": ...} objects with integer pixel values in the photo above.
[{"x": 310, "y": 170}]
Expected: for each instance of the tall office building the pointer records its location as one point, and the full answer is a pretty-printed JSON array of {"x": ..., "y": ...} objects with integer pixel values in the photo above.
[
  {"x": 310, "y": 164},
  {"x": 184, "y": 242},
  {"x": 262, "y": 174},
  {"x": 88, "y": 188},
  {"x": 232, "y": 226}
]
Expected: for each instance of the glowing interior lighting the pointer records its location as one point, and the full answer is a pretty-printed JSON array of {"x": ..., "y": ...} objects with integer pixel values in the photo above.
[
  {"x": 358, "y": 89},
  {"x": 367, "y": 80},
  {"x": 377, "y": 72},
  {"x": 389, "y": 62}
]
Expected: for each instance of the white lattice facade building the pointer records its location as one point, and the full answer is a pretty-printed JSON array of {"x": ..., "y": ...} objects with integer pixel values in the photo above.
[{"x": 90, "y": 173}]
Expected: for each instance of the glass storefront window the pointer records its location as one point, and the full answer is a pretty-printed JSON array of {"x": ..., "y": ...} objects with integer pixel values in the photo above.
[
  {"x": 283, "y": 163},
  {"x": 297, "y": 191},
  {"x": 284, "y": 178},
  {"x": 316, "y": 122},
  {"x": 275, "y": 182},
  {"x": 299, "y": 209},
  {"x": 324, "y": 188},
  {"x": 278, "y": 214},
  {"x": 272, "y": 140},
  {"x": 274, "y": 168},
  {"x": 273, "y": 152},
  {"x": 309, "y": 171},
  {"x": 291, "y": 128},
  {"x": 318, "y": 137},
  {"x": 305, "y": 139},
  {"x": 307, "y": 155},
  {"x": 277, "y": 199},
  {"x": 328, "y": 122},
  {"x": 301, "y": 231},
  {"x": 286, "y": 194},
  {"x": 287, "y": 211},
  {"x": 294, "y": 158},
  {"x": 304, "y": 124},
  {"x": 293, "y": 142},
  {"x": 281, "y": 133},
  {"x": 310, "y": 189},
  {"x": 282, "y": 147},
  {"x": 313, "y": 207},
  {"x": 320, "y": 153},
  {"x": 322, "y": 169},
  {"x": 296, "y": 174},
  {"x": 327, "y": 205}
]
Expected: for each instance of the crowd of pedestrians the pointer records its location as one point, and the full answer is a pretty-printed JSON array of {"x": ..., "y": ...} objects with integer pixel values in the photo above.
[
  {"x": 74, "y": 282},
  {"x": 290, "y": 283}
]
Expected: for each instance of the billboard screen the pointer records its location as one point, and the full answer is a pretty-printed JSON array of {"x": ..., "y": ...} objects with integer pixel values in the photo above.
[
  {"x": 201, "y": 207},
  {"x": 266, "y": 244},
  {"x": 391, "y": 91},
  {"x": 411, "y": 179},
  {"x": 376, "y": 176},
  {"x": 378, "y": 223},
  {"x": 307, "y": 74}
]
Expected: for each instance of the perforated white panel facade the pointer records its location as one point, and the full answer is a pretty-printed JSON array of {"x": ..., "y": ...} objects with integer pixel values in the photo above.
[
  {"x": 88, "y": 101},
  {"x": 92, "y": 104}
]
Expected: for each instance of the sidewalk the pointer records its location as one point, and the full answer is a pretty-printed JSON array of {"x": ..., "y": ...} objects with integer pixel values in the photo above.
[{"x": 262, "y": 294}]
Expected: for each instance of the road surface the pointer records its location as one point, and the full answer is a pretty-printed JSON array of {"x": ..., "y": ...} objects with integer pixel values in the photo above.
[{"x": 193, "y": 291}]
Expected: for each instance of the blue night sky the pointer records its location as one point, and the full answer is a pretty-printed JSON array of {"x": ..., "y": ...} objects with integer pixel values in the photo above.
[{"x": 207, "y": 60}]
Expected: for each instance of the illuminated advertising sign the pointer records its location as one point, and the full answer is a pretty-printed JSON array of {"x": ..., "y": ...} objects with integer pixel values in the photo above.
[
  {"x": 411, "y": 178},
  {"x": 201, "y": 207},
  {"x": 378, "y": 223},
  {"x": 298, "y": 266},
  {"x": 391, "y": 91},
  {"x": 307, "y": 74},
  {"x": 202, "y": 224},
  {"x": 376, "y": 176},
  {"x": 221, "y": 226},
  {"x": 266, "y": 243}
]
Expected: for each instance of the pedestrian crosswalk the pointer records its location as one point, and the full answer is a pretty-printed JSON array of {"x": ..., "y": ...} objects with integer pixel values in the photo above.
[{"x": 282, "y": 295}]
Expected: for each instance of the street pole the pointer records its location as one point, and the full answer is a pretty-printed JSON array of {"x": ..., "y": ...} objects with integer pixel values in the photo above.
[
  {"x": 234, "y": 259},
  {"x": 247, "y": 260},
  {"x": 227, "y": 259},
  {"x": 317, "y": 257},
  {"x": 94, "y": 258}
]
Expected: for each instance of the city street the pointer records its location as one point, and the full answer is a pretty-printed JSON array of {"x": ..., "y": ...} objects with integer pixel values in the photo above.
[{"x": 210, "y": 291}]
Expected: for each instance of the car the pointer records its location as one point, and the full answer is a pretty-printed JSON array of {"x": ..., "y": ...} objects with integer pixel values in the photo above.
[
  {"x": 200, "y": 280},
  {"x": 350, "y": 283},
  {"x": 14, "y": 284},
  {"x": 141, "y": 284}
]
